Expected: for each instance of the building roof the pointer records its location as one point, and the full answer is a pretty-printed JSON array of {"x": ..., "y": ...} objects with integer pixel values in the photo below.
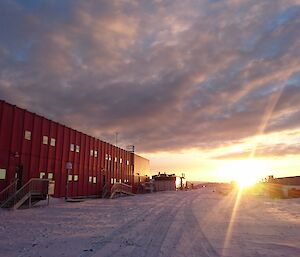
[{"x": 293, "y": 181}]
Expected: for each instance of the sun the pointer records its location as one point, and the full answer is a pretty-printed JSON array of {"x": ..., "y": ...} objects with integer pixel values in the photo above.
[
  {"x": 244, "y": 172},
  {"x": 245, "y": 181}
]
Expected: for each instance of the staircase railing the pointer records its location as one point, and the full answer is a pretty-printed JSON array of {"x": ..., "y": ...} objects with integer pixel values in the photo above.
[
  {"x": 33, "y": 186},
  {"x": 105, "y": 191},
  {"x": 8, "y": 191},
  {"x": 121, "y": 188}
]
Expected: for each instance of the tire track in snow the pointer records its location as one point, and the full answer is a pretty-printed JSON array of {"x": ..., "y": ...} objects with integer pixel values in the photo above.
[
  {"x": 187, "y": 237},
  {"x": 157, "y": 231},
  {"x": 201, "y": 243},
  {"x": 145, "y": 235},
  {"x": 126, "y": 238}
]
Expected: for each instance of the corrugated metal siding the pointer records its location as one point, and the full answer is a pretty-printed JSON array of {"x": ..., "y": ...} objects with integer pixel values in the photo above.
[
  {"x": 37, "y": 156},
  {"x": 141, "y": 168}
]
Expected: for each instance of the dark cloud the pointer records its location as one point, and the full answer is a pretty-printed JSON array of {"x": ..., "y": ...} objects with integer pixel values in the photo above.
[{"x": 166, "y": 75}]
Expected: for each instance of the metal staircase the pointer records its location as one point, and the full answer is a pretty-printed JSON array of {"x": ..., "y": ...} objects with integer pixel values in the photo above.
[
  {"x": 119, "y": 189},
  {"x": 33, "y": 191},
  {"x": 105, "y": 191},
  {"x": 8, "y": 191}
]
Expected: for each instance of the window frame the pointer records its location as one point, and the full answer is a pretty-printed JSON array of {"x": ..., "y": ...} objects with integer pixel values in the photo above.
[
  {"x": 45, "y": 140},
  {"x": 27, "y": 135},
  {"x": 50, "y": 175},
  {"x": 2, "y": 174},
  {"x": 53, "y": 141}
]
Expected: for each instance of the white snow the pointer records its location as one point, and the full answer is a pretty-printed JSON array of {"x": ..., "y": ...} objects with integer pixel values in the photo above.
[{"x": 185, "y": 223}]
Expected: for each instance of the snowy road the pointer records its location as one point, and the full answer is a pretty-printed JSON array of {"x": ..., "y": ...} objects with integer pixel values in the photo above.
[
  {"x": 192, "y": 223},
  {"x": 167, "y": 228}
]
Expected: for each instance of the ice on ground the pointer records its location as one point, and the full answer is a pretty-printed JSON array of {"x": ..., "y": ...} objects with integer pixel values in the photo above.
[{"x": 185, "y": 223}]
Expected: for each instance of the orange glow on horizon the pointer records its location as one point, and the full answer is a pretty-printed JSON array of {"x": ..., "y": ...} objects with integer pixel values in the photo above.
[{"x": 202, "y": 166}]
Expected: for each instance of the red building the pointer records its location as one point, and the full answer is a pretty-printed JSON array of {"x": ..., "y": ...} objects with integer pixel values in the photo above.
[{"x": 32, "y": 146}]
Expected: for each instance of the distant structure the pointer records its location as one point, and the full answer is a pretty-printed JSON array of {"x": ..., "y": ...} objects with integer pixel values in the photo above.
[
  {"x": 284, "y": 187},
  {"x": 34, "y": 147},
  {"x": 288, "y": 181},
  {"x": 169, "y": 182},
  {"x": 164, "y": 182}
]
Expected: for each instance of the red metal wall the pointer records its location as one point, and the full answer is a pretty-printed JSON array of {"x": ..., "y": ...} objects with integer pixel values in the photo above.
[{"x": 37, "y": 156}]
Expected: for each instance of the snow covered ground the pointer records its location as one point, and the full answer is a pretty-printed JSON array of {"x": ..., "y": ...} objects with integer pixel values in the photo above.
[{"x": 187, "y": 223}]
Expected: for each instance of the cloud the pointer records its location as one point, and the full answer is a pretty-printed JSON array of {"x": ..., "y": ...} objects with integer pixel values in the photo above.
[
  {"x": 264, "y": 151},
  {"x": 167, "y": 75}
]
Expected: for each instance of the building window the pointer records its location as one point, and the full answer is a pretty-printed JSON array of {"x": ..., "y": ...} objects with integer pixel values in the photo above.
[
  {"x": 50, "y": 175},
  {"x": 111, "y": 180},
  {"x": 121, "y": 160},
  {"x": 72, "y": 147},
  {"x": 75, "y": 177},
  {"x": 27, "y": 135},
  {"x": 127, "y": 162},
  {"x": 2, "y": 173},
  {"x": 77, "y": 148},
  {"x": 106, "y": 156},
  {"x": 90, "y": 179},
  {"x": 70, "y": 177},
  {"x": 42, "y": 174},
  {"x": 45, "y": 140},
  {"x": 96, "y": 153},
  {"x": 116, "y": 159},
  {"x": 94, "y": 180},
  {"x": 91, "y": 152},
  {"x": 109, "y": 157},
  {"x": 52, "y": 141}
]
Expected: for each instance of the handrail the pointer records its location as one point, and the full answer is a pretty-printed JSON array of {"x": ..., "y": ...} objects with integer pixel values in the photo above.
[
  {"x": 8, "y": 191},
  {"x": 105, "y": 191},
  {"x": 121, "y": 188},
  {"x": 34, "y": 185}
]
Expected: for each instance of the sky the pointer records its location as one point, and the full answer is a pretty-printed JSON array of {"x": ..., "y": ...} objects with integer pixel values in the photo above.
[{"x": 209, "y": 88}]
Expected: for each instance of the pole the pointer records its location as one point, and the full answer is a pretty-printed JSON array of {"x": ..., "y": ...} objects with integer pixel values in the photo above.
[
  {"x": 68, "y": 168},
  {"x": 67, "y": 185},
  {"x": 117, "y": 138}
]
